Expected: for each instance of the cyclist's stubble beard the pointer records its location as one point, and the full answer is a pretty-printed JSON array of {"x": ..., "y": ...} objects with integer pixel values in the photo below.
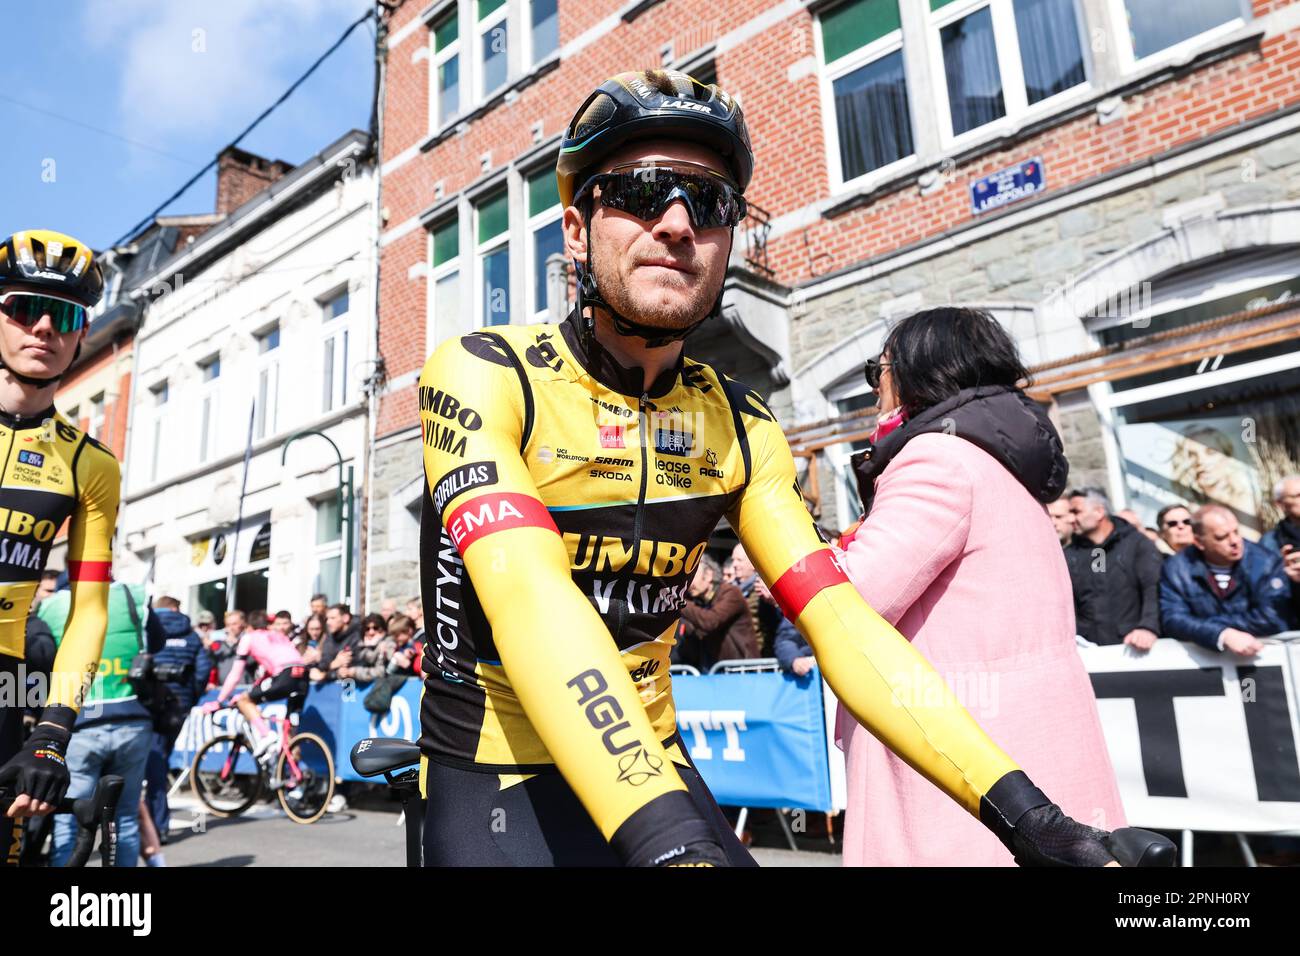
[{"x": 691, "y": 298}]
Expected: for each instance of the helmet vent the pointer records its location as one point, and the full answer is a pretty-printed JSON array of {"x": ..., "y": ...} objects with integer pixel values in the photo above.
[{"x": 598, "y": 112}]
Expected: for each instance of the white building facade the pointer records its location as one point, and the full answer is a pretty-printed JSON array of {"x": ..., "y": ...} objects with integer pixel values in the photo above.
[{"x": 263, "y": 325}]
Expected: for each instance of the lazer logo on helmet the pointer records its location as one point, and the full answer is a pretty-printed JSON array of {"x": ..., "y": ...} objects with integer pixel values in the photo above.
[
  {"x": 683, "y": 105},
  {"x": 603, "y": 712}
]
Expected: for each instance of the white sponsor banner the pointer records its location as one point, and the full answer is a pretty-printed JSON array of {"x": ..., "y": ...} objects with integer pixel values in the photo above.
[{"x": 1201, "y": 740}]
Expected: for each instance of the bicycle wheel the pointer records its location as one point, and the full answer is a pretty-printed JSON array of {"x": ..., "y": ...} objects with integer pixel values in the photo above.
[
  {"x": 219, "y": 775},
  {"x": 306, "y": 774}
]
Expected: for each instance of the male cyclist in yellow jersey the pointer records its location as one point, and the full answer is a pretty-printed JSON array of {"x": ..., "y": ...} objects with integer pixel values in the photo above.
[
  {"x": 49, "y": 471},
  {"x": 574, "y": 473}
]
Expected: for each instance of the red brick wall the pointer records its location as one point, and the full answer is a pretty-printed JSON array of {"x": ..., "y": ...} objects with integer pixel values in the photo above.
[
  {"x": 95, "y": 374},
  {"x": 786, "y": 126}
]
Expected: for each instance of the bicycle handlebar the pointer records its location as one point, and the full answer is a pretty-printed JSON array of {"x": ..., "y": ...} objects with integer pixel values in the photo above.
[{"x": 100, "y": 808}]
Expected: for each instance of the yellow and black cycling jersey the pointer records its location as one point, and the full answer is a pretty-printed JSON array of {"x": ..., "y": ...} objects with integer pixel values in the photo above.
[
  {"x": 51, "y": 473},
  {"x": 565, "y": 512}
]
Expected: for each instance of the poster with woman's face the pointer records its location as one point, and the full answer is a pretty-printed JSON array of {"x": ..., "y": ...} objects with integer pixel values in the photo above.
[{"x": 1192, "y": 462}]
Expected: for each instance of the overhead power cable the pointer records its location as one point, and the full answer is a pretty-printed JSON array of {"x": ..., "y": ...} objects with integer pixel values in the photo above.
[{"x": 251, "y": 126}]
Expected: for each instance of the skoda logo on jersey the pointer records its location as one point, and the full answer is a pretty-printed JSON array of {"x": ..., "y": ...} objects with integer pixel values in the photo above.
[{"x": 638, "y": 767}]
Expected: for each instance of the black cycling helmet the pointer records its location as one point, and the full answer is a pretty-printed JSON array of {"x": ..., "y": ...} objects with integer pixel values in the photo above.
[
  {"x": 652, "y": 104},
  {"x": 647, "y": 104},
  {"x": 54, "y": 263}
]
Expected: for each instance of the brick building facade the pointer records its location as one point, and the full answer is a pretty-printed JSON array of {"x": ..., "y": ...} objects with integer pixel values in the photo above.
[{"x": 1163, "y": 160}]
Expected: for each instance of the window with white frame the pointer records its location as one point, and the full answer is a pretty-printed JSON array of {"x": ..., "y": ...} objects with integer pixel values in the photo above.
[
  {"x": 1156, "y": 26},
  {"x": 96, "y": 429},
  {"x": 329, "y": 549},
  {"x": 543, "y": 29},
  {"x": 158, "y": 395},
  {"x": 864, "y": 88},
  {"x": 444, "y": 305},
  {"x": 492, "y": 255},
  {"x": 268, "y": 382},
  {"x": 444, "y": 104},
  {"x": 545, "y": 237},
  {"x": 210, "y": 372},
  {"x": 334, "y": 352},
  {"x": 492, "y": 42},
  {"x": 999, "y": 58}
]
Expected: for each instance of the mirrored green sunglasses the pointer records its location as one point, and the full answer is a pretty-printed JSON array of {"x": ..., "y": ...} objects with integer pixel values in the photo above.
[{"x": 26, "y": 308}]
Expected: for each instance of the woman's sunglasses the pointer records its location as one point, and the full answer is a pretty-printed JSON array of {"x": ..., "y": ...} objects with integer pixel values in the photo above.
[
  {"x": 26, "y": 308},
  {"x": 647, "y": 191},
  {"x": 1178, "y": 522},
  {"x": 872, "y": 370}
]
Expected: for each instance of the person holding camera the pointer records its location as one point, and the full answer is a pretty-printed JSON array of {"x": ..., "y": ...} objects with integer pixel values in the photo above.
[{"x": 114, "y": 730}]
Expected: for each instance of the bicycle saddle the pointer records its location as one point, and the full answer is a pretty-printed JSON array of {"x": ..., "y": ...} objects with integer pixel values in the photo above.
[{"x": 376, "y": 755}]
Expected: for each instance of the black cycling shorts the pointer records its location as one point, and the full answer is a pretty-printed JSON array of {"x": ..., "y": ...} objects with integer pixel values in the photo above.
[
  {"x": 291, "y": 682},
  {"x": 11, "y": 741},
  {"x": 471, "y": 821}
]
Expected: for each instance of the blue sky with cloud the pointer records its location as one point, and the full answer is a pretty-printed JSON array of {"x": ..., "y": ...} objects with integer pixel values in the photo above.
[{"x": 146, "y": 92}]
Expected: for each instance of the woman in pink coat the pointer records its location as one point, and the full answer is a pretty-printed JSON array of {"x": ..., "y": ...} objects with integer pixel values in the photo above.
[{"x": 957, "y": 552}]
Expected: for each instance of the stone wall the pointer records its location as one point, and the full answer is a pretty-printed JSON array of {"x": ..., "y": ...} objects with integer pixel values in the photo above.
[
  {"x": 1016, "y": 271},
  {"x": 394, "y": 569}
]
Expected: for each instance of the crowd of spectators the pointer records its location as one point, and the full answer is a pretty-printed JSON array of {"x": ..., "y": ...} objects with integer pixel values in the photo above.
[
  {"x": 1194, "y": 577},
  {"x": 334, "y": 643}
]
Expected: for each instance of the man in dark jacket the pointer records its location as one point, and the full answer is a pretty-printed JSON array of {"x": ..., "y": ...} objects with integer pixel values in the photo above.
[
  {"x": 717, "y": 618},
  {"x": 793, "y": 653},
  {"x": 1224, "y": 593},
  {"x": 1115, "y": 573},
  {"x": 182, "y": 650},
  {"x": 1286, "y": 495},
  {"x": 342, "y": 635}
]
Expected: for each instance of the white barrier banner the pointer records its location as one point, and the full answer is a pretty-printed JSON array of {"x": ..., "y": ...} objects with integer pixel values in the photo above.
[{"x": 1201, "y": 740}]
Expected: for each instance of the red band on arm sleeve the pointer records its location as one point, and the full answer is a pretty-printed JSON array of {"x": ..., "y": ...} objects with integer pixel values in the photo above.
[
  {"x": 794, "y": 589},
  {"x": 489, "y": 514},
  {"x": 90, "y": 570}
]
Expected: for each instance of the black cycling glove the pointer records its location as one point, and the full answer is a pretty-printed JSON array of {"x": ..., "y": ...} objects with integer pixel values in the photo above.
[
  {"x": 40, "y": 770},
  {"x": 1038, "y": 834},
  {"x": 668, "y": 831}
]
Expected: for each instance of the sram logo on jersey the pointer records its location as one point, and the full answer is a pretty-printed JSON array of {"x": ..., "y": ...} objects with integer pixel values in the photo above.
[
  {"x": 491, "y": 513},
  {"x": 462, "y": 479}
]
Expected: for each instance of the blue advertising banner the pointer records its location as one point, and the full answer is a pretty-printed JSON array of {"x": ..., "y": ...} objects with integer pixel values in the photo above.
[
  {"x": 759, "y": 740},
  {"x": 1007, "y": 185}
]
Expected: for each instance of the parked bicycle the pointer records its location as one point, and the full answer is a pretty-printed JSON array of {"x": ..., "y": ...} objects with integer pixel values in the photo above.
[
  {"x": 94, "y": 814},
  {"x": 385, "y": 755},
  {"x": 228, "y": 778}
]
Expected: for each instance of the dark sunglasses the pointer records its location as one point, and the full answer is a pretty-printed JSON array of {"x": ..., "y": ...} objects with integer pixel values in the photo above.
[
  {"x": 647, "y": 191},
  {"x": 1178, "y": 522},
  {"x": 872, "y": 370},
  {"x": 26, "y": 308}
]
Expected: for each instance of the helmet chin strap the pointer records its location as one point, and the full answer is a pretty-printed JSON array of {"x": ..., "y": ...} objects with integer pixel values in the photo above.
[{"x": 588, "y": 296}]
